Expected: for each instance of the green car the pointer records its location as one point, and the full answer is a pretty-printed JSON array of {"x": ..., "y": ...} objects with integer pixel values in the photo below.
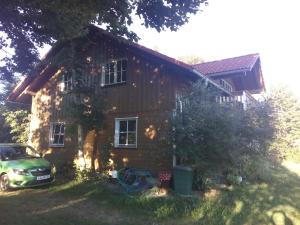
[{"x": 21, "y": 166}]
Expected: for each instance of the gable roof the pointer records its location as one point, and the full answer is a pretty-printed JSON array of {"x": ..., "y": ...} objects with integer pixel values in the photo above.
[
  {"x": 45, "y": 70},
  {"x": 235, "y": 64}
]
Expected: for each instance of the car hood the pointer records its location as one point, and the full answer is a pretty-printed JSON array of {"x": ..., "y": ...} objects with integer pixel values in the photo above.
[{"x": 27, "y": 163}]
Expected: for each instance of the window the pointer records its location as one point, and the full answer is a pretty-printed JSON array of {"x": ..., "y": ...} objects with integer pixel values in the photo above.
[
  {"x": 114, "y": 72},
  {"x": 67, "y": 82},
  {"x": 57, "y": 134},
  {"x": 225, "y": 85},
  {"x": 179, "y": 102},
  {"x": 126, "y": 132}
]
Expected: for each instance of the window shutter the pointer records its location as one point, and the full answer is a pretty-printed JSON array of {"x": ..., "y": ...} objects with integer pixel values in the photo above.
[
  {"x": 103, "y": 76},
  {"x": 117, "y": 132}
]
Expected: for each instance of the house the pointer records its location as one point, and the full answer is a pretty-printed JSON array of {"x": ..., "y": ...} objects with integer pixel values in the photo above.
[{"x": 140, "y": 86}]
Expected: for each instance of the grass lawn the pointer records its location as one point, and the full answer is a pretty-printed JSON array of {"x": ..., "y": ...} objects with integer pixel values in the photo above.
[{"x": 68, "y": 203}]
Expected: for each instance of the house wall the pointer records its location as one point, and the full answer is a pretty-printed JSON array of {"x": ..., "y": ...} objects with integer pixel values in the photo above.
[{"x": 149, "y": 94}]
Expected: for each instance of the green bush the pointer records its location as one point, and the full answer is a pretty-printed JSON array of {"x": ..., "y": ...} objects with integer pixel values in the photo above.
[{"x": 258, "y": 168}]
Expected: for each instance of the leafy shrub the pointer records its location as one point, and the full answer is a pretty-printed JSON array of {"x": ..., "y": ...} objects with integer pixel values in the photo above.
[
  {"x": 206, "y": 179},
  {"x": 207, "y": 131},
  {"x": 234, "y": 179},
  {"x": 18, "y": 121},
  {"x": 258, "y": 168}
]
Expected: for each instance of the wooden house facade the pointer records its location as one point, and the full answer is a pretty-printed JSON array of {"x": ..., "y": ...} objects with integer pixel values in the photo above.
[{"x": 139, "y": 87}]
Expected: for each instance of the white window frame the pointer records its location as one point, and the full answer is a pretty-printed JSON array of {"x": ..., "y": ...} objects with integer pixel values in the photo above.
[
  {"x": 66, "y": 82},
  {"x": 179, "y": 102},
  {"x": 115, "y": 73},
  {"x": 61, "y": 133},
  {"x": 117, "y": 133}
]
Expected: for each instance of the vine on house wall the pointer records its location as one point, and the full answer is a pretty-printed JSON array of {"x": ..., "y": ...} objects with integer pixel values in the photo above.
[{"x": 82, "y": 106}]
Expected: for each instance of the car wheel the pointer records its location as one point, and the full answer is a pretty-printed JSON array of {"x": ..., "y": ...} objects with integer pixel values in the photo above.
[{"x": 4, "y": 183}]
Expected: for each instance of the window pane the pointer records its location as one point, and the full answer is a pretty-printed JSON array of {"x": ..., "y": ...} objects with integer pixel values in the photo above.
[
  {"x": 124, "y": 64},
  {"x": 56, "y": 128},
  {"x": 62, "y": 128},
  {"x": 56, "y": 139},
  {"x": 106, "y": 78},
  {"x": 61, "y": 139},
  {"x": 111, "y": 78},
  {"x": 123, "y": 126},
  {"x": 131, "y": 138},
  {"x": 67, "y": 81},
  {"x": 131, "y": 125},
  {"x": 111, "y": 67},
  {"x": 119, "y": 76},
  {"x": 119, "y": 65},
  {"x": 124, "y": 76},
  {"x": 122, "y": 138}
]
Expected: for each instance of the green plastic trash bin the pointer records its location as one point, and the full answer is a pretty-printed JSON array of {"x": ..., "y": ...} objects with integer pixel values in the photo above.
[{"x": 183, "y": 179}]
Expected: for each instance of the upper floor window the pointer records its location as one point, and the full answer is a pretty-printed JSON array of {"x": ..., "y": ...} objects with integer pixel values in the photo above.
[
  {"x": 181, "y": 102},
  {"x": 126, "y": 132},
  {"x": 114, "y": 72},
  {"x": 67, "y": 82},
  {"x": 226, "y": 85},
  {"x": 57, "y": 134}
]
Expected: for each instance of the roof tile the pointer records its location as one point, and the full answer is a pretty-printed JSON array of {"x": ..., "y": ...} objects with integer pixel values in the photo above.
[{"x": 244, "y": 62}]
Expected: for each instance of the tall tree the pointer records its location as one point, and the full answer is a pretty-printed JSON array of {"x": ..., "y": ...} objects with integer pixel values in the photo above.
[
  {"x": 286, "y": 119},
  {"x": 27, "y": 25},
  {"x": 191, "y": 59}
]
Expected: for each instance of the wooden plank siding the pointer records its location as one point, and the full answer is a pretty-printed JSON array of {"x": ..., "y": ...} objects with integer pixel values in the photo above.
[{"x": 149, "y": 94}]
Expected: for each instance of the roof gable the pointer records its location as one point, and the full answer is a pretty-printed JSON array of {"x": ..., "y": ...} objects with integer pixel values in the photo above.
[{"x": 45, "y": 70}]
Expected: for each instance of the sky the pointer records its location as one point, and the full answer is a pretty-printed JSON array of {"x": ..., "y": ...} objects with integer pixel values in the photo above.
[{"x": 228, "y": 28}]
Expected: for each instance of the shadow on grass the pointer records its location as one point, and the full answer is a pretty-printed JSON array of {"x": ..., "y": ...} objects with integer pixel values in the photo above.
[{"x": 276, "y": 203}]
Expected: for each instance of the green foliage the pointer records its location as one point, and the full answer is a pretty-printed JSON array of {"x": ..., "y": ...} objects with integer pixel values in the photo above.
[
  {"x": 216, "y": 138},
  {"x": 105, "y": 154},
  {"x": 209, "y": 133},
  {"x": 18, "y": 122},
  {"x": 83, "y": 175},
  {"x": 14, "y": 120},
  {"x": 286, "y": 121},
  {"x": 257, "y": 168},
  {"x": 191, "y": 59},
  {"x": 5, "y": 136},
  {"x": 86, "y": 107},
  {"x": 83, "y": 107}
]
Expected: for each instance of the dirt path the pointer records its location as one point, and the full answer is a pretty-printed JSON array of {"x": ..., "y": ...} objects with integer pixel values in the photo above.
[{"x": 39, "y": 206}]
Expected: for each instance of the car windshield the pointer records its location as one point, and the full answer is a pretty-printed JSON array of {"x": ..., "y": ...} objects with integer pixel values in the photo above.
[{"x": 15, "y": 152}]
